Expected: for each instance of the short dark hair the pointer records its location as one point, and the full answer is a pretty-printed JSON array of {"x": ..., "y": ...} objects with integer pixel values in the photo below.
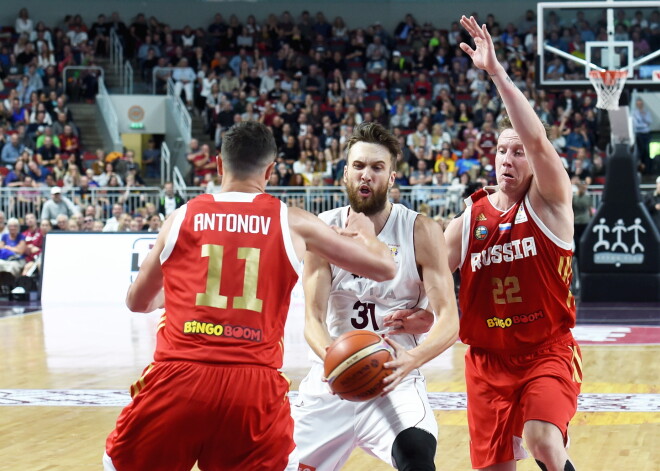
[
  {"x": 374, "y": 133},
  {"x": 247, "y": 148},
  {"x": 505, "y": 124}
]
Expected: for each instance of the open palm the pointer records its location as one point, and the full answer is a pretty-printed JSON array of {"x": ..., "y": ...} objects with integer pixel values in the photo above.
[{"x": 483, "y": 56}]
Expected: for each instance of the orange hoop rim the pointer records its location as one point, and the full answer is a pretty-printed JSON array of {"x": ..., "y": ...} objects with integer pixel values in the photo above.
[
  {"x": 608, "y": 78},
  {"x": 611, "y": 74}
]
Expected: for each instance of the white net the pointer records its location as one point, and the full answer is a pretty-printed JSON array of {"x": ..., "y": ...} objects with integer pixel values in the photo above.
[{"x": 609, "y": 85}]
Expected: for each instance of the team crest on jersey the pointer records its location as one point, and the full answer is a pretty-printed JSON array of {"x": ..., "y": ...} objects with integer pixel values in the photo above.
[
  {"x": 521, "y": 215},
  {"x": 394, "y": 250},
  {"x": 480, "y": 232},
  {"x": 481, "y": 217}
]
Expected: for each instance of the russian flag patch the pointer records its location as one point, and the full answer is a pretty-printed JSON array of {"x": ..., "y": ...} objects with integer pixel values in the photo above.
[{"x": 505, "y": 227}]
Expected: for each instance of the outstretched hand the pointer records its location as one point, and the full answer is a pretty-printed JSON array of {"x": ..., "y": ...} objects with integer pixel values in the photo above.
[
  {"x": 483, "y": 56},
  {"x": 409, "y": 321},
  {"x": 402, "y": 364}
]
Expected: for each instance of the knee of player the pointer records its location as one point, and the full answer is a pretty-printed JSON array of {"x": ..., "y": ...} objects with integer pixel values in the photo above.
[
  {"x": 542, "y": 443},
  {"x": 414, "y": 449}
]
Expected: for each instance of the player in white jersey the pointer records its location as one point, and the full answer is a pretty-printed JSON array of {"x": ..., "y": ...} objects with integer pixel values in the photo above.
[{"x": 399, "y": 427}]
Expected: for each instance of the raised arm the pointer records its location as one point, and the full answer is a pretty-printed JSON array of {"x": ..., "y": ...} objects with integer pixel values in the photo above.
[
  {"x": 431, "y": 256},
  {"x": 554, "y": 187},
  {"x": 317, "y": 279},
  {"x": 357, "y": 250}
]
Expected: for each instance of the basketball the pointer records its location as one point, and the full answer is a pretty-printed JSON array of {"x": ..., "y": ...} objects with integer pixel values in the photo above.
[{"x": 354, "y": 365}]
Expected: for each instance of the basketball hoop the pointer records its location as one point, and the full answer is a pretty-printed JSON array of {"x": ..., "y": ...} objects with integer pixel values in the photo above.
[{"x": 609, "y": 85}]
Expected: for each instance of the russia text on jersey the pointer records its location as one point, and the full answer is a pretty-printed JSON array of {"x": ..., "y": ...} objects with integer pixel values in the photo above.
[
  {"x": 508, "y": 252},
  {"x": 245, "y": 223},
  {"x": 219, "y": 330}
]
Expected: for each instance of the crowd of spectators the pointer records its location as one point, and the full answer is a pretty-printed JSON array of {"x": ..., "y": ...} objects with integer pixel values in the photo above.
[
  {"x": 312, "y": 80},
  {"x": 308, "y": 78}
]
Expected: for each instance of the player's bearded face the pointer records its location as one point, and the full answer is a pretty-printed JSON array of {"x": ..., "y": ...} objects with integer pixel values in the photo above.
[{"x": 367, "y": 197}]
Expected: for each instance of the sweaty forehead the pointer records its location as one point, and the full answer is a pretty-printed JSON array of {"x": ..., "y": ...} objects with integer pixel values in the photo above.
[
  {"x": 369, "y": 153},
  {"x": 509, "y": 137}
]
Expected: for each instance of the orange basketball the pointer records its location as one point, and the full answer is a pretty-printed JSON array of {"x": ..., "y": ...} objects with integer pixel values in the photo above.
[{"x": 354, "y": 365}]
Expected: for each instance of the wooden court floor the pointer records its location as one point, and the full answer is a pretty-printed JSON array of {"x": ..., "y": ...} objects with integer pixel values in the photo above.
[{"x": 95, "y": 349}]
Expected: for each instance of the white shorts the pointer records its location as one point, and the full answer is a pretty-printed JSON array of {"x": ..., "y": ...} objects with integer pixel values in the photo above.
[{"x": 327, "y": 428}]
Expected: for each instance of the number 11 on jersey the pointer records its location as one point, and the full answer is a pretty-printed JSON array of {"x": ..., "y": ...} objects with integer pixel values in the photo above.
[{"x": 212, "y": 297}]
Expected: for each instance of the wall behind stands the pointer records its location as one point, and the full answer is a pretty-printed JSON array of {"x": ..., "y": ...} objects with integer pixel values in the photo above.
[
  {"x": 146, "y": 109},
  {"x": 178, "y": 13}
]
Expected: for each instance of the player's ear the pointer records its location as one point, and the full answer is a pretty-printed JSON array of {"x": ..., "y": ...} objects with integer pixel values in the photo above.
[
  {"x": 270, "y": 169},
  {"x": 218, "y": 163},
  {"x": 390, "y": 183}
]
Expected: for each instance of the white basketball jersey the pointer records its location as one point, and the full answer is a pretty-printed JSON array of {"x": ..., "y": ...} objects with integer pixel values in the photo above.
[{"x": 361, "y": 303}]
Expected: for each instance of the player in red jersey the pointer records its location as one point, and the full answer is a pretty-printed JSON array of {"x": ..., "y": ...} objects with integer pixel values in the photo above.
[
  {"x": 224, "y": 266},
  {"x": 513, "y": 247}
]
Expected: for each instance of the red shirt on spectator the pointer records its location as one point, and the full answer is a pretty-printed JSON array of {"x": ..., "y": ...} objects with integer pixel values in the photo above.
[{"x": 33, "y": 239}]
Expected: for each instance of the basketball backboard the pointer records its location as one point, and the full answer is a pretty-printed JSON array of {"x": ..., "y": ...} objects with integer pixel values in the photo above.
[{"x": 576, "y": 37}]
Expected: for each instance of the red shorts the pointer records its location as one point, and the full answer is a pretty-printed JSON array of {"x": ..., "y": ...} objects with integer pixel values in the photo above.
[
  {"x": 224, "y": 417},
  {"x": 505, "y": 391}
]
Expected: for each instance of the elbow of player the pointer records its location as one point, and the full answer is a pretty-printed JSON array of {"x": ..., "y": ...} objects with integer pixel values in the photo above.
[{"x": 137, "y": 303}]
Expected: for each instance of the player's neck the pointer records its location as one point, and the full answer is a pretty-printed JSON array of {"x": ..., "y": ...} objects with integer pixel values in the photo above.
[
  {"x": 232, "y": 184},
  {"x": 504, "y": 200},
  {"x": 380, "y": 218}
]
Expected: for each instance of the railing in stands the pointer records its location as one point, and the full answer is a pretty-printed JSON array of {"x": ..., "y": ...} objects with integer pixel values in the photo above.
[
  {"x": 179, "y": 183},
  {"x": 165, "y": 163},
  {"x": 127, "y": 78},
  {"x": 116, "y": 54},
  {"x": 180, "y": 113},
  {"x": 109, "y": 116},
  {"x": 18, "y": 201}
]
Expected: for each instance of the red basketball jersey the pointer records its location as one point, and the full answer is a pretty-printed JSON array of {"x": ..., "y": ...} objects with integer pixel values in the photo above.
[
  {"x": 515, "y": 278},
  {"x": 229, "y": 267}
]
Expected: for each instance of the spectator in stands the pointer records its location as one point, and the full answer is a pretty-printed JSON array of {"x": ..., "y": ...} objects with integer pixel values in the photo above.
[
  {"x": 395, "y": 197},
  {"x": 184, "y": 79},
  {"x": 486, "y": 141},
  {"x": 33, "y": 242},
  {"x": 108, "y": 172},
  {"x": 72, "y": 177},
  {"x": 11, "y": 151},
  {"x": 582, "y": 210},
  {"x": 314, "y": 83},
  {"x": 57, "y": 205},
  {"x": 70, "y": 145},
  {"x": 577, "y": 139},
  {"x": 25, "y": 90},
  {"x": 18, "y": 113},
  {"x": 48, "y": 154},
  {"x": 169, "y": 200},
  {"x": 36, "y": 172},
  {"x": 112, "y": 223},
  {"x": 580, "y": 167},
  {"x": 12, "y": 249},
  {"x": 23, "y": 23},
  {"x": 203, "y": 162},
  {"x": 642, "y": 127},
  {"x": 155, "y": 223},
  {"x": 151, "y": 159},
  {"x": 17, "y": 175}
]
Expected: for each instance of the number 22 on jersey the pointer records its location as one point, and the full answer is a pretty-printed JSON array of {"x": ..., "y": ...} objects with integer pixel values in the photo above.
[{"x": 212, "y": 297}]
